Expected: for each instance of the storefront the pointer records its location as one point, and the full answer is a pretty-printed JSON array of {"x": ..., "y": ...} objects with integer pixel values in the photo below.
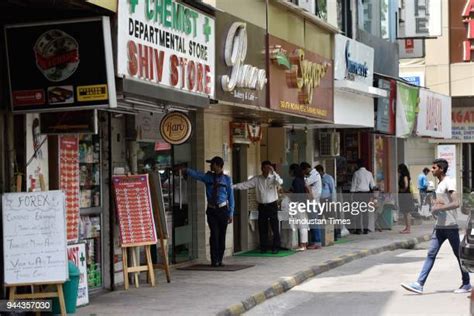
[
  {"x": 165, "y": 64},
  {"x": 57, "y": 136}
]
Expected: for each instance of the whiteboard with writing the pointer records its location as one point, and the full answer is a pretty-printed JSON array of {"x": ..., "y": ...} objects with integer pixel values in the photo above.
[{"x": 34, "y": 237}]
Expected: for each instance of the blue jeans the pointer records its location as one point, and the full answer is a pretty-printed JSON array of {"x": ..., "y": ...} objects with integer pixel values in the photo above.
[
  {"x": 437, "y": 240},
  {"x": 315, "y": 235}
]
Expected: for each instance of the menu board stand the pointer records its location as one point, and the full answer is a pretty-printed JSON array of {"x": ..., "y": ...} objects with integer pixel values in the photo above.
[
  {"x": 136, "y": 225},
  {"x": 42, "y": 294}
]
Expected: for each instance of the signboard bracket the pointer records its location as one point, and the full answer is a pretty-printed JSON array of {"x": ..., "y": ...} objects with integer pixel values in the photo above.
[
  {"x": 135, "y": 268},
  {"x": 49, "y": 294}
]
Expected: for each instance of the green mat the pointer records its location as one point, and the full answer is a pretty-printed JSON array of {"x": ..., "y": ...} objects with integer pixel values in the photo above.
[
  {"x": 341, "y": 241},
  {"x": 256, "y": 253}
]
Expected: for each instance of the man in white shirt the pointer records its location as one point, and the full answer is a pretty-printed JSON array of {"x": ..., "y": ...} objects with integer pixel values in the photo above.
[
  {"x": 266, "y": 186},
  {"x": 315, "y": 186},
  {"x": 362, "y": 184},
  {"x": 445, "y": 208}
]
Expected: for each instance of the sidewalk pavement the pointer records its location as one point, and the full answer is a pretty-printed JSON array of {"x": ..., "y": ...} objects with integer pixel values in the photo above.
[{"x": 233, "y": 293}]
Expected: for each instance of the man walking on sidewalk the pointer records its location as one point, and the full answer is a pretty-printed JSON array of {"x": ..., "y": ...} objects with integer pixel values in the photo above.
[
  {"x": 314, "y": 184},
  {"x": 266, "y": 186},
  {"x": 220, "y": 205},
  {"x": 445, "y": 208}
]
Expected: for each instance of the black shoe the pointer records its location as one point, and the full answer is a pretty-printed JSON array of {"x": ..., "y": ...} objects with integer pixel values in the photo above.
[
  {"x": 275, "y": 251},
  {"x": 214, "y": 264},
  {"x": 220, "y": 264},
  {"x": 357, "y": 232},
  {"x": 366, "y": 231}
]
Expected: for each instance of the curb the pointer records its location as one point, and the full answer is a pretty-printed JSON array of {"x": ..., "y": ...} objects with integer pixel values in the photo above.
[{"x": 287, "y": 283}]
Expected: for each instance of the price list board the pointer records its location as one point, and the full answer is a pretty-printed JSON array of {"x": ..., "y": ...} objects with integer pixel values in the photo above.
[
  {"x": 134, "y": 210},
  {"x": 69, "y": 182}
]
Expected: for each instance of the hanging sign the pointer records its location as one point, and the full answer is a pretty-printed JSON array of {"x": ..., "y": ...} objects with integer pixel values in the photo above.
[
  {"x": 176, "y": 128},
  {"x": 419, "y": 19},
  {"x": 407, "y": 102},
  {"x": 34, "y": 238},
  {"x": 434, "y": 115},
  {"x": 166, "y": 43}
]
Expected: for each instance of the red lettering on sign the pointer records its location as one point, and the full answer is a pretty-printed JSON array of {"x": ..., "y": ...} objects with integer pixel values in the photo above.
[
  {"x": 208, "y": 79},
  {"x": 143, "y": 61},
  {"x": 174, "y": 70},
  {"x": 132, "y": 58},
  {"x": 468, "y": 8},
  {"x": 200, "y": 75},
  {"x": 159, "y": 60},
  {"x": 433, "y": 113},
  {"x": 191, "y": 75},
  {"x": 467, "y": 45}
]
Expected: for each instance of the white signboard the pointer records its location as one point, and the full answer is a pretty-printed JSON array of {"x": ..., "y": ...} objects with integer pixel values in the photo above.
[
  {"x": 448, "y": 152},
  {"x": 353, "y": 61},
  {"x": 411, "y": 48},
  {"x": 77, "y": 254},
  {"x": 36, "y": 155},
  {"x": 419, "y": 19},
  {"x": 434, "y": 115},
  {"x": 166, "y": 43},
  {"x": 463, "y": 124},
  {"x": 34, "y": 237}
]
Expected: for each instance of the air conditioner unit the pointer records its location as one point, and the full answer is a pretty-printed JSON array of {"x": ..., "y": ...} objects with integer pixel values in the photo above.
[{"x": 329, "y": 144}]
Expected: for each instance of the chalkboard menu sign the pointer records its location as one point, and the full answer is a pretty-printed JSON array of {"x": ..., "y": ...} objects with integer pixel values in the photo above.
[
  {"x": 34, "y": 238},
  {"x": 134, "y": 210}
]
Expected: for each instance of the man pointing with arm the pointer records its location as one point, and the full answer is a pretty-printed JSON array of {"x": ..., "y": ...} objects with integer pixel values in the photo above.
[{"x": 266, "y": 186}]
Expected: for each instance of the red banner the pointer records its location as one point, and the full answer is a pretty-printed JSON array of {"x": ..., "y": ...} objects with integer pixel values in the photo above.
[
  {"x": 134, "y": 211},
  {"x": 69, "y": 183}
]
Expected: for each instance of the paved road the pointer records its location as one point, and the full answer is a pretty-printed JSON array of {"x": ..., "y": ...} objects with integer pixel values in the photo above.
[{"x": 370, "y": 286}]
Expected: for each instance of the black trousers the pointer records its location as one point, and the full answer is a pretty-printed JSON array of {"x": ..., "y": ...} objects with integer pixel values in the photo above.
[
  {"x": 266, "y": 213},
  {"x": 217, "y": 220}
]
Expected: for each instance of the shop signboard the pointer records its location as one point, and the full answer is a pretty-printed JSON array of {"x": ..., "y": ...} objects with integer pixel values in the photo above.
[
  {"x": 69, "y": 182},
  {"x": 166, "y": 43},
  {"x": 407, "y": 102},
  {"x": 59, "y": 66},
  {"x": 354, "y": 61},
  {"x": 240, "y": 65},
  {"x": 461, "y": 31},
  {"x": 134, "y": 210},
  {"x": 176, "y": 128},
  {"x": 463, "y": 124},
  {"x": 434, "y": 115},
  {"x": 300, "y": 82},
  {"x": 77, "y": 254},
  {"x": 448, "y": 152},
  {"x": 419, "y": 19},
  {"x": 414, "y": 78},
  {"x": 385, "y": 119},
  {"x": 34, "y": 238},
  {"x": 411, "y": 48}
]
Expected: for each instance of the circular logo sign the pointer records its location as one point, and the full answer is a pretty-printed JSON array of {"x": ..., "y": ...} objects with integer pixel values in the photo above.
[
  {"x": 57, "y": 55},
  {"x": 175, "y": 128}
]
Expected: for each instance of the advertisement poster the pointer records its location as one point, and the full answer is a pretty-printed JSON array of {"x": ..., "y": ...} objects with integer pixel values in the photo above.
[
  {"x": 69, "y": 182},
  {"x": 66, "y": 67},
  {"x": 134, "y": 210},
  {"x": 37, "y": 171},
  {"x": 34, "y": 246},
  {"x": 434, "y": 115},
  {"x": 385, "y": 121},
  {"x": 173, "y": 47},
  {"x": 407, "y": 102},
  {"x": 77, "y": 254},
  {"x": 448, "y": 152}
]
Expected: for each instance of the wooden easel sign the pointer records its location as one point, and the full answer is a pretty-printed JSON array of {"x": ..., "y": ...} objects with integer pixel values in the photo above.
[
  {"x": 34, "y": 243},
  {"x": 136, "y": 223}
]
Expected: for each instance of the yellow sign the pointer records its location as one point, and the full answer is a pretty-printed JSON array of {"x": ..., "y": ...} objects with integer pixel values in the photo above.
[
  {"x": 92, "y": 93},
  {"x": 175, "y": 128},
  {"x": 303, "y": 108},
  {"x": 106, "y": 4}
]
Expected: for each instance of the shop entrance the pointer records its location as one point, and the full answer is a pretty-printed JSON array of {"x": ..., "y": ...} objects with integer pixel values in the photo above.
[{"x": 180, "y": 212}]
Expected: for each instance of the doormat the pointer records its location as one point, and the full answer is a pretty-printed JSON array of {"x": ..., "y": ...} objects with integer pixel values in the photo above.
[
  {"x": 341, "y": 241},
  {"x": 225, "y": 267},
  {"x": 256, "y": 253}
]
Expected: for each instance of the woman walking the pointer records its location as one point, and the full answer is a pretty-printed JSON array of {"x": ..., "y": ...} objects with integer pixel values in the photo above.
[{"x": 405, "y": 198}]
